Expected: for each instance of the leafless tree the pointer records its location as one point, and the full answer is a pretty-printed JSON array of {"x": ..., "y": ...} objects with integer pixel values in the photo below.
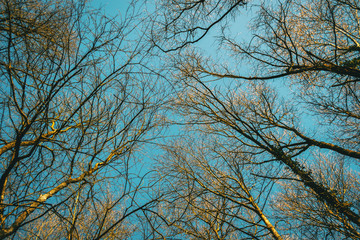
[
  {"x": 312, "y": 48},
  {"x": 305, "y": 216},
  {"x": 89, "y": 215},
  {"x": 209, "y": 193},
  {"x": 75, "y": 104},
  {"x": 178, "y": 23}
]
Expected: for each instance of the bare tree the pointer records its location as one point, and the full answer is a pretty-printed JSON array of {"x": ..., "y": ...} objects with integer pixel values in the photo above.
[
  {"x": 86, "y": 215},
  {"x": 312, "y": 47},
  {"x": 209, "y": 192},
  {"x": 75, "y": 104},
  {"x": 179, "y": 23},
  {"x": 303, "y": 216}
]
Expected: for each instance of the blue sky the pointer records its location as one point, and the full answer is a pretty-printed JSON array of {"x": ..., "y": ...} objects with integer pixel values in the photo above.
[{"x": 112, "y": 7}]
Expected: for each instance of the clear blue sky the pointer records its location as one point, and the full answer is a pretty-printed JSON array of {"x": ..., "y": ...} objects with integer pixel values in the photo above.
[{"x": 111, "y": 7}]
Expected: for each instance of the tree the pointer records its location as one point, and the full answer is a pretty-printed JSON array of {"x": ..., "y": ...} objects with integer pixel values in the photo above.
[
  {"x": 74, "y": 108},
  {"x": 79, "y": 97},
  {"x": 210, "y": 193},
  {"x": 312, "y": 47},
  {"x": 317, "y": 220},
  {"x": 179, "y": 23},
  {"x": 90, "y": 214}
]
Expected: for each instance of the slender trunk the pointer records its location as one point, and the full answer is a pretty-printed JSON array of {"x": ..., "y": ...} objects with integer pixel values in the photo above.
[{"x": 268, "y": 224}]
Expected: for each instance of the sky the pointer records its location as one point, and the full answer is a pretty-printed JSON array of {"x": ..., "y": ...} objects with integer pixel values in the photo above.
[
  {"x": 112, "y": 7},
  {"x": 239, "y": 29},
  {"x": 209, "y": 45}
]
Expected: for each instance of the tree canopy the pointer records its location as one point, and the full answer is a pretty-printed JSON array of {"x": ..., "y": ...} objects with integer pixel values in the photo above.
[{"x": 126, "y": 127}]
